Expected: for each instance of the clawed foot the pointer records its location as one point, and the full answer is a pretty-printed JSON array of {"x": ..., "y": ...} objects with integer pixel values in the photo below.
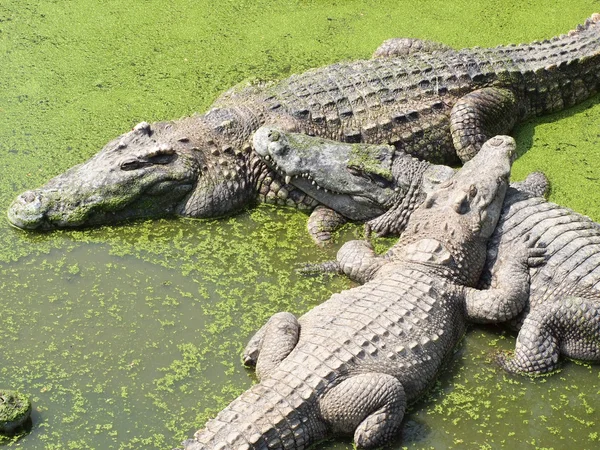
[{"x": 250, "y": 357}]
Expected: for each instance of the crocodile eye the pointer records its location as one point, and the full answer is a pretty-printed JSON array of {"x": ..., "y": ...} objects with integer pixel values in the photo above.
[
  {"x": 157, "y": 158},
  {"x": 278, "y": 149},
  {"x": 472, "y": 191},
  {"x": 132, "y": 164},
  {"x": 354, "y": 171}
]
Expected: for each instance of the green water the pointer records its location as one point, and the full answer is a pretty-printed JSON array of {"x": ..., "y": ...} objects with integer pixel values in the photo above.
[{"x": 130, "y": 336}]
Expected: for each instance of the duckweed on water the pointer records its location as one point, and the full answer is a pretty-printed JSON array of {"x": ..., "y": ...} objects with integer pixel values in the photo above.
[{"x": 129, "y": 337}]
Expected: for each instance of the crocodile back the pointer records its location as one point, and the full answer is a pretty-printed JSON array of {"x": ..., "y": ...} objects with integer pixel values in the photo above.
[
  {"x": 406, "y": 100},
  {"x": 404, "y": 323},
  {"x": 572, "y": 241}
]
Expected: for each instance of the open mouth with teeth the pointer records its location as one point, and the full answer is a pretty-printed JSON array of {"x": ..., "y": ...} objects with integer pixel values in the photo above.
[
  {"x": 322, "y": 171},
  {"x": 302, "y": 181}
]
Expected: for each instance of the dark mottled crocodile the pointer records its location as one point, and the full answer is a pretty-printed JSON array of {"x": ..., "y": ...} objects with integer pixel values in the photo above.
[
  {"x": 424, "y": 98},
  {"x": 351, "y": 365},
  {"x": 560, "y": 311}
]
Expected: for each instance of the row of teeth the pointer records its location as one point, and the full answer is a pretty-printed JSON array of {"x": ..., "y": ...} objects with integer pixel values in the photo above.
[{"x": 289, "y": 178}]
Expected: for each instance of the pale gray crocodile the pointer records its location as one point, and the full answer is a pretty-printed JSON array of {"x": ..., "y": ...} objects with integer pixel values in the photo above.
[
  {"x": 351, "y": 365},
  {"x": 334, "y": 173},
  {"x": 424, "y": 98},
  {"x": 559, "y": 311}
]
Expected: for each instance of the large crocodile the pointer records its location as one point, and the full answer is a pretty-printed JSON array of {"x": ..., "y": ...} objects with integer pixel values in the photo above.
[
  {"x": 561, "y": 314},
  {"x": 559, "y": 309},
  {"x": 424, "y": 98},
  {"x": 351, "y": 365},
  {"x": 333, "y": 173}
]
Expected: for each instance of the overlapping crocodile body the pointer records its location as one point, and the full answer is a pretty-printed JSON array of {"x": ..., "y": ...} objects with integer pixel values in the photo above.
[
  {"x": 351, "y": 365},
  {"x": 423, "y": 98}
]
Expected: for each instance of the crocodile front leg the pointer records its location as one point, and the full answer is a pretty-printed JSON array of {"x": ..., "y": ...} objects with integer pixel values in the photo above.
[
  {"x": 479, "y": 115},
  {"x": 322, "y": 222},
  {"x": 509, "y": 292},
  {"x": 370, "y": 405},
  {"x": 355, "y": 259},
  {"x": 358, "y": 260},
  {"x": 272, "y": 343}
]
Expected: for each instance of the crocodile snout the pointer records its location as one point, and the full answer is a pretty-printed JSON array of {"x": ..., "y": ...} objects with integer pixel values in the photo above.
[{"x": 27, "y": 211}]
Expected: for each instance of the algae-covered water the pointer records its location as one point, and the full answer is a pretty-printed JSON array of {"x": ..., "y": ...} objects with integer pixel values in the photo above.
[{"x": 130, "y": 336}]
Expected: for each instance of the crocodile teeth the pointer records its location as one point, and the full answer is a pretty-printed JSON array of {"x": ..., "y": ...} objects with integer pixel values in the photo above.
[
  {"x": 325, "y": 190},
  {"x": 318, "y": 187},
  {"x": 288, "y": 179},
  {"x": 313, "y": 183}
]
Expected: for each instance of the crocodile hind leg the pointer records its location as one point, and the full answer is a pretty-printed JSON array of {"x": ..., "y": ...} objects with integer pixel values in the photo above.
[
  {"x": 480, "y": 115},
  {"x": 370, "y": 405},
  {"x": 407, "y": 46},
  {"x": 570, "y": 326},
  {"x": 322, "y": 222},
  {"x": 272, "y": 343}
]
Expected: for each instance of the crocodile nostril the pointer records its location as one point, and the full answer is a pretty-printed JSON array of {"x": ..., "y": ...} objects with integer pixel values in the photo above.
[
  {"x": 273, "y": 136},
  {"x": 28, "y": 197}
]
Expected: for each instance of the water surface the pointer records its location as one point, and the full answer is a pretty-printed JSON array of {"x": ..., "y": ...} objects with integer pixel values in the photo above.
[{"x": 130, "y": 336}]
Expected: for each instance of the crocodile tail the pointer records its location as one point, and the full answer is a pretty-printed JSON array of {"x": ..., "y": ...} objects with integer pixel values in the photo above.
[
  {"x": 581, "y": 42},
  {"x": 272, "y": 414},
  {"x": 591, "y": 24}
]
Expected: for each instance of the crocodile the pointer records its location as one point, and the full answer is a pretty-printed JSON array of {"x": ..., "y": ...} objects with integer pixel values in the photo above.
[
  {"x": 341, "y": 176},
  {"x": 423, "y": 97},
  {"x": 353, "y": 363},
  {"x": 560, "y": 312},
  {"x": 556, "y": 305}
]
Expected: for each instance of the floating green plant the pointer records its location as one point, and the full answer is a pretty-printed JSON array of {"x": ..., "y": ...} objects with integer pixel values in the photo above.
[{"x": 129, "y": 337}]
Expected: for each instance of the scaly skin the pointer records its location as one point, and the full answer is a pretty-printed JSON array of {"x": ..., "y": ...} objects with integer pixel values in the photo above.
[
  {"x": 374, "y": 183},
  {"x": 351, "y": 365},
  {"x": 355, "y": 181},
  {"x": 560, "y": 312},
  {"x": 424, "y": 98}
]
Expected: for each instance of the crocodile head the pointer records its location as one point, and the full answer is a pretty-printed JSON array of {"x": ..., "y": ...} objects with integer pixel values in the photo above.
[
  {"x": 451, "y": 228},
  {"x": 360, "y": 181},
  {"x": 323, "y": 169},
  {"x": 153, "y": 171}
]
